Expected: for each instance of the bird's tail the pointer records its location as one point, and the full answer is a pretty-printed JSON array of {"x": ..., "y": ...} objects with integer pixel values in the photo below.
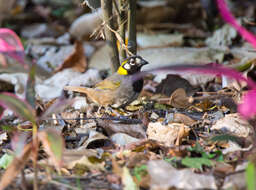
[{"x": 76, "y": 89}]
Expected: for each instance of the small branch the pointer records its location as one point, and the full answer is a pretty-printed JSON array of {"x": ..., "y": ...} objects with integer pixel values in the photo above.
[
  {"x": 127, "y": 120},
  {"x": 106, "y": 6},
  {"x": 122, "y": 43},
  {"x": 121, "y": 23},
  {"x": 132, "y": 44}
]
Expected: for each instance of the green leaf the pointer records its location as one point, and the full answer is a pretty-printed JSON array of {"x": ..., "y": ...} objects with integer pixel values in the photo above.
[
  {"x": 30, "y": 87},
  {"x": 20, "y": 107},
  {"x": 5, "y": 160},
  {"x": 225, "y": 137},
  {"x": 127, "y": 180},
  {"x": 173, "y": 161},
  {"x": 250, "y": 176},
  {"x": 53, "y": 145},
  {"x": 196, "y": 162},
  {"x": 140, "y": 171},
  {"x": 7, "y": 128}
]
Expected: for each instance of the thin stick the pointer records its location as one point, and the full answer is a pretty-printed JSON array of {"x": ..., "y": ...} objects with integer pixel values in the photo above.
[
  {"x": 106, "y": 6},
  {"x": 132, "y": 44},
  {"x": 122, "y": 43},
  {"x": 63, "y": 185},
  {"x": 121, "y": 22},
  {"x": 35, "y": 149}
]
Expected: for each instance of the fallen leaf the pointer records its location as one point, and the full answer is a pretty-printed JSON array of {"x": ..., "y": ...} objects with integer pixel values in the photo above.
[
  {"x": 173, "y": 82},
  {"x": 165, "y": 176},
  {"x": 76, "y": 60},
  {"x": 182, "y": 118},
  {"x": 127, "y": 180},
  {"x": 234, "y": 124},
  {"x": 5, "y": 160},
  {"x": 167, "y": 134},
  {"x": 19, "y": 106},
  {"x": 134, "y": 130},
  {"x": 123, "y": 139},
  {"x": 14, "y": 168},
  {"x": 95, "y": 140},
  {"x": 179, "y": 99},
  {"x": 53, "y": 145}
]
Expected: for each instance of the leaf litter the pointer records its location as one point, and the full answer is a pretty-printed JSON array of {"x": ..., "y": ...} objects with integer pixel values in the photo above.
[{"x": 184, "y": 132}]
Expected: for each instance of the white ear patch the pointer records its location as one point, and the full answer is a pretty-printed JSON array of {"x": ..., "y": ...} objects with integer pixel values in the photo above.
[
  {"x": 127, "y": 66},
  {"x": 138, "y": 60}
]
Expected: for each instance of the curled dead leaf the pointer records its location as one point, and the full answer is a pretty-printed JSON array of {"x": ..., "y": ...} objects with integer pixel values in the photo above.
[
  {"x": 134, "y": 130},
  {"x": 182, "y": 118},
  {"x": 53, "y": 144},
  {"x": 76, "y": 60},
  {"x": 179, "y": 99},
  {"x": 167, "y": 134},
  {"x": 14, "y": 168}
]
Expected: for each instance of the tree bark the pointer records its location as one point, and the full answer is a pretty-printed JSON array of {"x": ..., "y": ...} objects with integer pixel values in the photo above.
[
  {"x": 107, "y": 6},
  {"x": 132, "y": 44}
]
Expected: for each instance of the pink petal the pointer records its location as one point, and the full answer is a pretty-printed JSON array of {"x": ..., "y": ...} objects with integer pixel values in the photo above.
[
  {"x": 11, "y": 45},
  {"x": 229, "y": 18},
  {"x": 248, "y": 108}
]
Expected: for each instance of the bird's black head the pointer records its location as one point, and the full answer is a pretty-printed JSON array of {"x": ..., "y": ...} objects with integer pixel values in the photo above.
[{"x": 131, "y": 65}]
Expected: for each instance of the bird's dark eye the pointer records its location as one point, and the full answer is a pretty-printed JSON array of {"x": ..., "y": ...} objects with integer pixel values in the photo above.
[{"x": 132, "y": 62}]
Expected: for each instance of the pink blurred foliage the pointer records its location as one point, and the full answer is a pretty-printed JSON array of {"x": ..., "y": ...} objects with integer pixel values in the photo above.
[
  {"x": 247, "y": 106},
  {"x": 230, "y": 19},
  {"x": 11, "y": 45}
]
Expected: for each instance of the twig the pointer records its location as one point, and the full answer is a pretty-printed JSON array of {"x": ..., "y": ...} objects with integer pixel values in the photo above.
[
  {"x": 23, "y": 180},
  {"x": 106, "y": 6},
  {"x": 132, "y": 44},
  {"x": 121, "y": 22},
  {"x": 98, "y": 118},
  {"x": 122, "y": 43},
  {"x": 63, "y": 185}
]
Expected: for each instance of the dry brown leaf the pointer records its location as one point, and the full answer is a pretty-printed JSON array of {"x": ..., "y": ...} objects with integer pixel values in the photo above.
[
  {"x": 70, "y": 156},
  {"x": 179, "y": 99},
  {"x": 182, "y": 133},
  {"x": 76, "y": 60},
  {"x": 53, "y": 145},
  {"x": 14, "y": 168},
  {"x": 167, "y": 134},
  {"x": 181, "y": 118},
  {"x": 134, "y": 130}
]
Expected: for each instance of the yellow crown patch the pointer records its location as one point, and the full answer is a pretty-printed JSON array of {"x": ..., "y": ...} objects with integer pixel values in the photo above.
[{"x": 121, "y": 70}]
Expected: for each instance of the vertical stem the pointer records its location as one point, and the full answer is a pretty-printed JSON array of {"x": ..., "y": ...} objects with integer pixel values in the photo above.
[
  {"x": 132, "y": 44},
  {"x": 106, "y": 6},
  {"x": 35, "y": 149},
  {"x": 121, "y": 22}
]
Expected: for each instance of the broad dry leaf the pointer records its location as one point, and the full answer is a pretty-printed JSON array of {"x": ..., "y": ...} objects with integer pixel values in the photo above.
[
  {"x": 134, "y": 130},
  {"x": 76, "y": 60},
  {"x": 234, "y": 124},
  {"x": 164, "y": 176},
  {"x": 73, "y": 155},
  {"x": 127, "y": 180},
  {"x": 179, "y": 99},
  {"x": 182, "y": 118},
  {"x": 167, "y": 134},
  {"x": 53, "y": 145},
  {"x": 14, "y": 168}
]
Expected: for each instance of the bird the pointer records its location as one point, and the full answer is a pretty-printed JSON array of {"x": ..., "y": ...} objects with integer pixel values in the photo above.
[{"x": 119, "y": 89}]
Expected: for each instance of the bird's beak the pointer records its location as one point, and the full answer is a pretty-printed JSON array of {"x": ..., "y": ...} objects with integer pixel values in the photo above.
[{"x": 144, "y": 62}]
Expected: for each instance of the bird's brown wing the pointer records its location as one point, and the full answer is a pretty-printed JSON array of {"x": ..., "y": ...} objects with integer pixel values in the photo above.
[{"x": 111, "y": 83}]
